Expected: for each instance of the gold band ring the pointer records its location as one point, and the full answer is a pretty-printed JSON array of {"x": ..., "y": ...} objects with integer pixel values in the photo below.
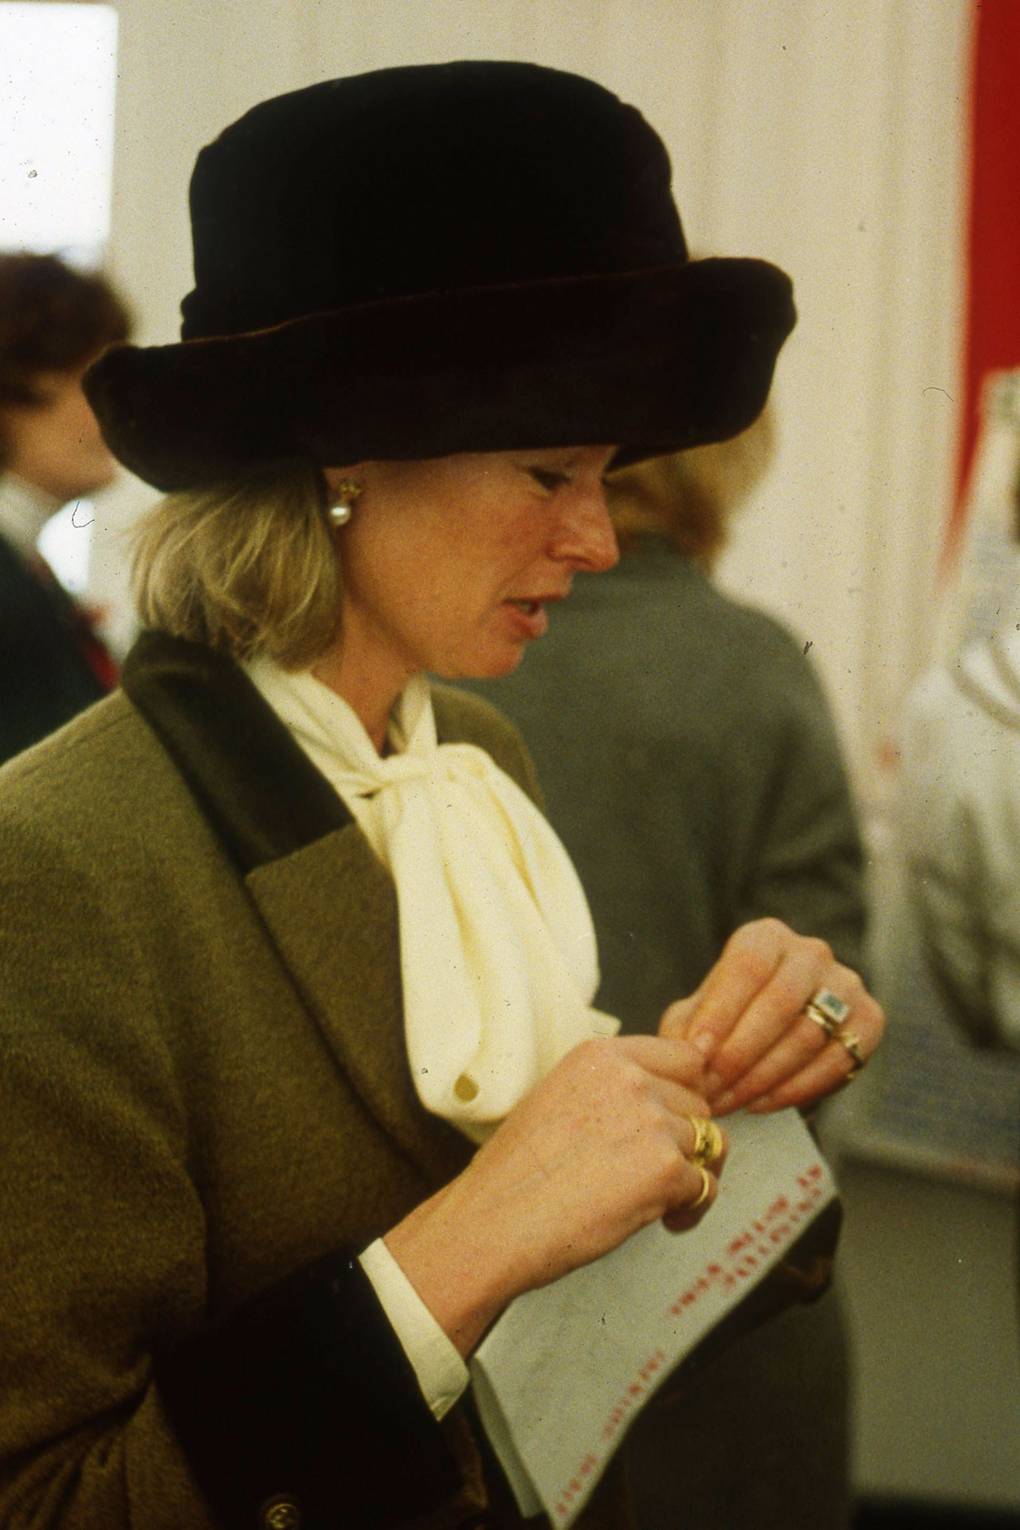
[
  {"x": 826, "y": 1022},
  {"x": 853, "y": 1047},
  {"x": 708, "y": 1141},
  {"x": 704, "y": 1192}
]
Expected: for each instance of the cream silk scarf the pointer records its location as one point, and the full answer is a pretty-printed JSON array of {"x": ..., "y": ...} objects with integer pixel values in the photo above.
[{"x": 497, "y": 948}]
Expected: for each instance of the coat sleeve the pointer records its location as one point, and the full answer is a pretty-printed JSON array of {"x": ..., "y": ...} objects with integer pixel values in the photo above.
[
  {"x": 122, "y": 1405},
  {"x": 303, "y": 1396},
  {"x": 806, "y": 865}
]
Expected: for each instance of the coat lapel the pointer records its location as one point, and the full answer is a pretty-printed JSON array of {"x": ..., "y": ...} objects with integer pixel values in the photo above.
[{"x": 327, "y": 903}]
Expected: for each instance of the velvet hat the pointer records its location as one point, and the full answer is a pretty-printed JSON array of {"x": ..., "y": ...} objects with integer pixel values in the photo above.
[{"x": 472, "y": 256}]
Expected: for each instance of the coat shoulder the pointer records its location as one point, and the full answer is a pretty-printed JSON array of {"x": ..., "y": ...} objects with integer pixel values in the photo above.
[
  {"x": 90, "y": 783},
  {"x": 727, "y": 619}
]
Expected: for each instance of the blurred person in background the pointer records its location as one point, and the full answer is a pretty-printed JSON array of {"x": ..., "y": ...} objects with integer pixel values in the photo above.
[
  {"x": 690, "y": 763},
  {"x": 959, "y": 831},
  {"x": 54, "y": 321},
  {"x": 950, "y": 941}
]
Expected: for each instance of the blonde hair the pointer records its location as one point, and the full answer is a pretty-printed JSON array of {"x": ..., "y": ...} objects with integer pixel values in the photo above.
[
  {"x": 688, "y": 497},
  {"x": 249, "y": 568}
]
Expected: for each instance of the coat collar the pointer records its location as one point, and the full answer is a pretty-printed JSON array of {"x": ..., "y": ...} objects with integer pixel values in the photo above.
[
  {"x": 328, "y": 904},
  {"x": 256, "y": 787}
]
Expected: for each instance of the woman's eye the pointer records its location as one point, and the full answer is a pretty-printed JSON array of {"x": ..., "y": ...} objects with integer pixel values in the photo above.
[{"x": 547, "y": 478}]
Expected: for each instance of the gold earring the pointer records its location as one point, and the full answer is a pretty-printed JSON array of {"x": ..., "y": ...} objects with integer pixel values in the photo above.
[{"x": 348, "y": 491}]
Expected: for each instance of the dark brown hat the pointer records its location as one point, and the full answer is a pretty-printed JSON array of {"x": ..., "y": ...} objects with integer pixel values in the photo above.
[{"x": 442, "y": 258}]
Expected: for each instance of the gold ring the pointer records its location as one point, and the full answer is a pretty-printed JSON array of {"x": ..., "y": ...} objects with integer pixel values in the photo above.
[
  {"x": 826, "y": 1022},
  {"x": 826, "y": 1005},
  {"x": 708, "y": 1141},
  {"x": 705, "y": 1191},
  {"x": 853, "y": 1047},
  {"x": 827, "y": 1009}
]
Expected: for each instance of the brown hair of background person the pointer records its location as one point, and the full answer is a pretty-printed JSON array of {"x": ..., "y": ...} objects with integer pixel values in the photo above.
[
  {"x": 54, "y": 321},
  {"x": 53, "y": 318}
]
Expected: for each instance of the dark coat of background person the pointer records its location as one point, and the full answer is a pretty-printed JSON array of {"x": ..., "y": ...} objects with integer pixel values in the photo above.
[
  {"x": 691, "y": 766},
  {"x": 200, "y": 1042},
  {"x": 45, "y": 678}
]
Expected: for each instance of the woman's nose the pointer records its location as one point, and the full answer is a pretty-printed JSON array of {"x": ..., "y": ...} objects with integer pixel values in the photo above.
[{"x": 585, "y": 537}]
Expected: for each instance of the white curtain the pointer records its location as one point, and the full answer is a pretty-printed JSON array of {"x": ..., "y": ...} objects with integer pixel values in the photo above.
[{"x": 826, "y": 135}]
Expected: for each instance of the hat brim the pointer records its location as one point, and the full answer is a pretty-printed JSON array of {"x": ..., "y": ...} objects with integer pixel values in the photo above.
[{"x": 651, "y": 361}]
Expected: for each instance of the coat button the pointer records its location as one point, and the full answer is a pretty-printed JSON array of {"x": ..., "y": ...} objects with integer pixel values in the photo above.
[{"x": 280, "y": 1513}]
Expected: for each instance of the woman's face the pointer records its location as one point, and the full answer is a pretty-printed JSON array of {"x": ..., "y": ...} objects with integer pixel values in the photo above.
[
  {"x": 449, "y": 564},
  {"x": 56, "y": 444}
]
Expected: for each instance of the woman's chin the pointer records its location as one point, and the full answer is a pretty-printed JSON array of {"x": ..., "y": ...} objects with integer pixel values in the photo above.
[{"x": 490, "y": 666}]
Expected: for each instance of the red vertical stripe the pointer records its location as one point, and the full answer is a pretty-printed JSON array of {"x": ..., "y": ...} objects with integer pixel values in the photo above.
[{"x": 992, "y": 338}]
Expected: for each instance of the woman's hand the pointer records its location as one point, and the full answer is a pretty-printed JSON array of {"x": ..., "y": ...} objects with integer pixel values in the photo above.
[
  {"x": 597, "y": 1150},
  {"x": 762, "y": 1050}
]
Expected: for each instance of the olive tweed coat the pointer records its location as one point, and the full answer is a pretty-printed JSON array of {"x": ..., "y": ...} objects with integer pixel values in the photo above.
[{"x": 206, "y": 1113}]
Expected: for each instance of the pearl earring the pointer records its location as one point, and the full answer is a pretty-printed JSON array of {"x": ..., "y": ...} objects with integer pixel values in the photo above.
[{"x": 348, "y": 491}]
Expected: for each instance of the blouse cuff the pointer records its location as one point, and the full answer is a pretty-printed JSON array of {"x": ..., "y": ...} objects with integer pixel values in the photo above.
[{"x": 442, "y": 1374}]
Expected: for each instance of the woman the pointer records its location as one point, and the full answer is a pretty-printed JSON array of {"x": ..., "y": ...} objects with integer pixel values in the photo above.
[
  {"x": 286, "y": 939},
  {"x": 959, "y": 912},
  {"x": 54, "y": 321}
]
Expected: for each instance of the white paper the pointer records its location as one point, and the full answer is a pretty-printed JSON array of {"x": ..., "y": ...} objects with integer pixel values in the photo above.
[{"x": 566, "y": 1369}]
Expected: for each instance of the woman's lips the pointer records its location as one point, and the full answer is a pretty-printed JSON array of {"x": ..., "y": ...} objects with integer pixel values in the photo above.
[{"x": 528, "y": 617}]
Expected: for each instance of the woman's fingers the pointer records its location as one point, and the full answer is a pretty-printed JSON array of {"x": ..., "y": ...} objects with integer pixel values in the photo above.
[
  {"x": 701, "y": 1142},
  {"x": 749, "y": 1020},
  {"x": 798, "y": 1046},
  {"x": 749, "y": 962},
  {"x": 704, "y": 1187},
  {"x": 808, "y": 1059},
  {"x": 669, "y": 1069},
  {"x": 671, "y": 1057},
  {"x": 839, "y": 1059},
  {"x": 776, "y": 1037},
  {"x": 611, "y": 1132},
  {"x": 665, "y": 1070},
  {"x": 761, "y": 983}
]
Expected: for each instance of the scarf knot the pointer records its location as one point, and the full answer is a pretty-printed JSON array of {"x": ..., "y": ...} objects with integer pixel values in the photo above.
[{"x": 497, "y": 949}]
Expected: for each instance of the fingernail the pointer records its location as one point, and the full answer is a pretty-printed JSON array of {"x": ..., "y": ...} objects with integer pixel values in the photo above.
[
  {"x": 711, "y": 1083},
  {"x": 705, "y": 1043},
  {"x": 722, "y": 1102},
  {"x": 759, "y": 1107}
]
